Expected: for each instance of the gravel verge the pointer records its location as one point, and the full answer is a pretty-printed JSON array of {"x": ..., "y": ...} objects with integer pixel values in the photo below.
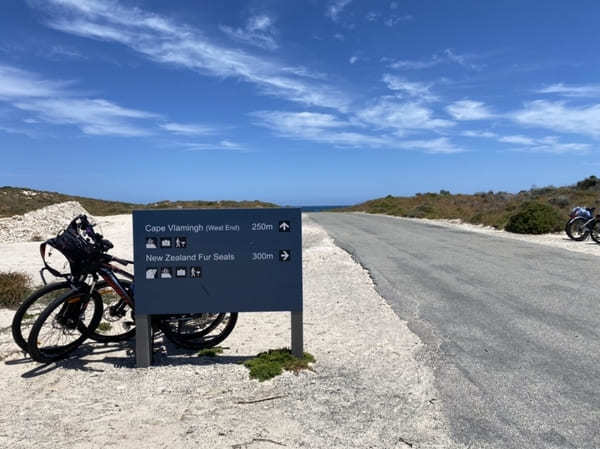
[
  {"x": 365, "y": 390},
  {"x": 557, "y": 240}
]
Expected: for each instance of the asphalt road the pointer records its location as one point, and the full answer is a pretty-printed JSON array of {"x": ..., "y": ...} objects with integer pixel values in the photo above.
[{"x": 512, "y": 329}]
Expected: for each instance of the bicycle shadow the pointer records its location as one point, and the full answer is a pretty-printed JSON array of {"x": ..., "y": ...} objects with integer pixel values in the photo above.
[{"x": 86, "y": 358}]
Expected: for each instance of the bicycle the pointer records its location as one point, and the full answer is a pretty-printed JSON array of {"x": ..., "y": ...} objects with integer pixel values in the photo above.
[{"x": 68, "y": 321}]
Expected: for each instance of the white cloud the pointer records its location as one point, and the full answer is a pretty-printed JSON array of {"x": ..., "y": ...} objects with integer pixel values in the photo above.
[
  {"x": 92, "y": 116},
  {"x": 335, "y": 8},
  {"x": 394, "y": 20},
  {"x": 317, "y": 127},
  {"x": 407, "y": 88},
  {"x": 372, "y": 16},
  {"x": 448, "y": 56},
  {"x": 559, "y": 116},
  {"x": 440, "y": 145},
  {"x": 402, "y": 117},
  {"x": 187, "y": 129},
  {"x": 584, "y": 90},
  {"x": 16, "y": 83},
  {"x": 353, "y": 59},
  {"x": 549, "y": 144},
  {"x": 168, "y": 42},
  {"x": 328, "y": 129},
  {"x": 483, "y": 134},
  {"x": 468, "y": 110},
  {"x": 519, "y": 140},
  {"x": 258, "y": 31},
  {"x": 222, "y": 145}
]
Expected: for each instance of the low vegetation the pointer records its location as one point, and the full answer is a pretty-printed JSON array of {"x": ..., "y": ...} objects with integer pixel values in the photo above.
[
  {"x": 537, "y": 210},
  {"x": 267, "y": 365},
  {"x": 535, "y": 218},
  {"x": 18, "y": 200},
  {"x": 210, "y": 352},
  {"x": 14, "y": 288}
]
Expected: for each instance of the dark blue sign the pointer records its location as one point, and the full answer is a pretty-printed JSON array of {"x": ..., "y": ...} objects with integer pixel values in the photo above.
[{"x": 217, "y": 260}]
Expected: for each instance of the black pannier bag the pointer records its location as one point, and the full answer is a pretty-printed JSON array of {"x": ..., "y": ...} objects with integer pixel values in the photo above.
[{"x": 77, "y": 244}]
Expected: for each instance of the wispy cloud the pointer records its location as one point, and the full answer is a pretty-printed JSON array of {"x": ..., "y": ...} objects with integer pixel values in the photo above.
[
  {"x": 17, "y": 83},
  {"x": 558, "y": 116},
  {"x": 59, "y": 103},
  {"x": 329, "y": 129},
  {"x": 92, "y": 116},
  {"x": 317, "y": 127},
  {"x": 169, "y": 42},
  {"x": 479, "y": 134},
  {"x": 396, "y": 19},
  {"x": 55, "y": 102},
  {"x": 259, "y": 31},
  {"x": 353, "y": 59},
  {"x": 441, "y": 145},
  {"x": 335, "y": 7},
  {"x": 565, "y": 90},
  {"x": 448, "y": 56},
  {"x": 547, "y": 144},
  {"x": 469, "y": 110},
  {"x": 401, "y": 116},
  {"x": 221, "y": 145},
  {"x": 413, "y": 89},
  {"x": 188, "y": 129}
]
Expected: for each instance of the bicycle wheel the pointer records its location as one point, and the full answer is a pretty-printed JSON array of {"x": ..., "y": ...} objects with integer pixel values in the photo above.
[
  {"x": 30, "y": 309},
  {"x": 198, "y": 331},
  {"x": 64, "y": 325},
  {"x": 595, "y": 232},
  {"x": 576, "y": 230},
  {"x": 118, "y": 321}
]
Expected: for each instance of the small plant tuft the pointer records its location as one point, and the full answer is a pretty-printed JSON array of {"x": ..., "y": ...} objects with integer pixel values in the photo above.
[
  {"x": 14, "y": 287},
  {"x": 267, "y": 365},
  {"x": 535, "y": 218},
  {"x": 104, "y": 327},
  {"x": 210, "y": 352}
]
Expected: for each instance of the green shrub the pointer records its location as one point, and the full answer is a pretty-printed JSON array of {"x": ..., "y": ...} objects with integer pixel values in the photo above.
[
  {"x": 267, "y": 365},
  {"x": 535, "y": 218},
  {"x": 14, "y": 287},
  {"x": 588, "y": 183}
]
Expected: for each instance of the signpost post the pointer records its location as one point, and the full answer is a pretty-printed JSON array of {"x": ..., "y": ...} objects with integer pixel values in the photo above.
[{"x": 216, "y": 260}]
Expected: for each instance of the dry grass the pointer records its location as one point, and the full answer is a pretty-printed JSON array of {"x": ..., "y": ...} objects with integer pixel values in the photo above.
[{"x": 14, "y": 288}]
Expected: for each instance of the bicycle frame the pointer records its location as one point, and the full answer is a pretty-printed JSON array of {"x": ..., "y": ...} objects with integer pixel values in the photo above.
[{"x": 107, "y": 272}]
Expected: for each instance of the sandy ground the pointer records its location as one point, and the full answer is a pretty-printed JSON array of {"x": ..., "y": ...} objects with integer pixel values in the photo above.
[
  {"x": 557, "y": 240},
  {"x": 366, "y": 389}
]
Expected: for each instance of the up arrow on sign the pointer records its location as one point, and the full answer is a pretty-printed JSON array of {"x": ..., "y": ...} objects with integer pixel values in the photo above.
[{"x": 284, "y": 226}]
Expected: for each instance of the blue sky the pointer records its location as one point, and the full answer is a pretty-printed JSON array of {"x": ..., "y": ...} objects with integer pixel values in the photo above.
[{"x": 297, "y": 102}]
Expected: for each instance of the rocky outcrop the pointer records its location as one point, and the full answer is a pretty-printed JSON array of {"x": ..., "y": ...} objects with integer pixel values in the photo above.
[{"x": 39, "y": 224}]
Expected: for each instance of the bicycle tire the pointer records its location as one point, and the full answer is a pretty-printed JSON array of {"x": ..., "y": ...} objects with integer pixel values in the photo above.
[
  {"x": 595, "y": 232},
  {"x": 201, "y": 335},
  {"x": 22, "y": 322},
  {"x": 575, "y": 225},
  {"x": 117, "y": 319},
  {"x": 76, "y": 299}
]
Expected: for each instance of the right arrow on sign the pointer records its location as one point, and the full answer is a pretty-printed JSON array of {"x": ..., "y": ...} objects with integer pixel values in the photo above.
[{"x": 284, "y": 255}]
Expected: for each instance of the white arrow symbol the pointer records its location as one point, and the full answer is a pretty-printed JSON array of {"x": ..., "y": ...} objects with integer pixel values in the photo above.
[
  {"x": 284, "y": 225},
  {"x": 285, "y": 255}
]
